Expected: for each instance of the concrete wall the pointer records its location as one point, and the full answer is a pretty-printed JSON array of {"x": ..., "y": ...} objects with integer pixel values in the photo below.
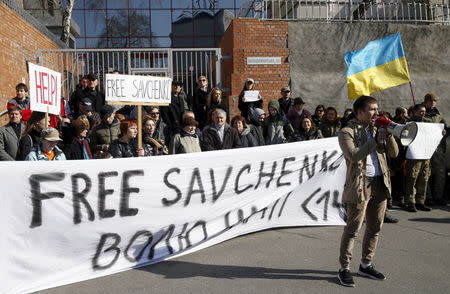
[{"x": 318, "y": 69}]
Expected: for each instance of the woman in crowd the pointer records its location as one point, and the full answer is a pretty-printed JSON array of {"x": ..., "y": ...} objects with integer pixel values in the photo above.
[
  {"x": 215, "y": 101},
  {"x": 331, "y": 124},
  {"x": 297, "y": 112},
  {"x": 32, "y": 134},
  {"x": 162, "y": 131},
  {"x": 308, "y": 130},
  {"x": 318, "y": 115},
  {"x": 244, "y": 131},
  {"x": 186, "y": 141},
  {"x": 79, "y": 148},
  {"x": 126, "y": 144},
  {"x": 200, "y": 97},
  {"x": 247, "y": 107},
  {"x": 276, "y": 128},
  {"x": 348, "y": 115},
  {"x": 46, "y": 149},
  {"x": 151, "y": 144}
]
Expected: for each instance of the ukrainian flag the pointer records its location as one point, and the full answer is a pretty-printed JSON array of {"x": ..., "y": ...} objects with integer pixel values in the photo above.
[{"x": 378, "y": 66}]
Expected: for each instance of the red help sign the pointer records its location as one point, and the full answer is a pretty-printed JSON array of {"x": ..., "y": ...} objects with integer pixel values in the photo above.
[{"x": 45, "y": 89}]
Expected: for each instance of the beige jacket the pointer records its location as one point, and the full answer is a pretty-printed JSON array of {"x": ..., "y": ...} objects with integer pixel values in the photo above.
[{"x": 356, "y": 147}]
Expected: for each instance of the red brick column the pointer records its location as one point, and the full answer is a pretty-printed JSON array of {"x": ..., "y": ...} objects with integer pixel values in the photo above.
[{"x": 254, "y": 38}]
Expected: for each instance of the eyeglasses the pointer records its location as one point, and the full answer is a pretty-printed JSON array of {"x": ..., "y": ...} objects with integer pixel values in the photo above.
[
  {"x": 202, "y": 80},
  {"x": 320, "y": 110},
  {"x": 154, "y": 113}
]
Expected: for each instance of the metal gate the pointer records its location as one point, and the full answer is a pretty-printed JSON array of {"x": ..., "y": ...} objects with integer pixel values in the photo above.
[{"x": 184, "y": 65}]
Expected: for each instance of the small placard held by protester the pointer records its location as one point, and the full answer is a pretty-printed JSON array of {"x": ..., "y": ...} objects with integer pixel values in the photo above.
[
  {"x": 137, "y": 89},
  {"x": 45, "y": 89},
  {"x": 251, "y": 96},
  {"x": 428, "y": 137}
]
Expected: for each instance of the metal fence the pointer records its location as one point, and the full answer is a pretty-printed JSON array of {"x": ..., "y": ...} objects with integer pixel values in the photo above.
[
  {"x": 184, "y": 65},
  {"x": 405, "y": 11}
]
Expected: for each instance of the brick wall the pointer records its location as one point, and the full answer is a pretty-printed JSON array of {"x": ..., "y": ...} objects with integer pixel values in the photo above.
[
  {"x": 254, "y": 38},
  {"x": 19, "y": 41}
]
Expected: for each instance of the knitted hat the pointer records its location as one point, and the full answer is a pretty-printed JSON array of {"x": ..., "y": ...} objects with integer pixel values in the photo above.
[
  {"x": 257, "y": 113},
  {"x": 106, "y": 111}
]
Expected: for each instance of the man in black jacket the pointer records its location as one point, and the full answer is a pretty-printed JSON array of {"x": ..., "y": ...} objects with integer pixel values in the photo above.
[{"x": 219, "y": 135}]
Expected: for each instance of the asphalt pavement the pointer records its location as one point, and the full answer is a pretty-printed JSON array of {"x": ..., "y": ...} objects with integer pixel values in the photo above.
[{"x": 413, "y": 254}]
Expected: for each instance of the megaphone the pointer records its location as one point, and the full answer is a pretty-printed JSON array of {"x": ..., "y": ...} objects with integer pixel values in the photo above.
[{"x": 406, "y": 133}]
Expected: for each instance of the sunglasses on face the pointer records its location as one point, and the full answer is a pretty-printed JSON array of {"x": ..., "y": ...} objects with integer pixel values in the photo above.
[
  {"x": 320, "y": 110},
  {"x": 154, "y": 113},
  {"x": 202, "y": 80}
]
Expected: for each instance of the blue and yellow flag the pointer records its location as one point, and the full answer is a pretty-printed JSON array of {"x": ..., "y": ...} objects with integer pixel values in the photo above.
[{"x": 378, "y": 66}]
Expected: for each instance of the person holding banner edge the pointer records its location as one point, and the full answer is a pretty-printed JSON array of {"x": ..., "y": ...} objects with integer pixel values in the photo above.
[{"x": 367, "y": 186}]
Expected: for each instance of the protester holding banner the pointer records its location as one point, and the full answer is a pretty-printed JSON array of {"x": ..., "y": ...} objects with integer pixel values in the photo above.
[
  {"x": 171, "y": 114},
  {"x": 47, "y": 150},
  {"x": 247, "y": 107},
  {"x": 10, "y": 135},
  {"x": 219, "y": 135},
  {"x": 199, "y": 99},
  {"x": 31, "y": 136},
  {"x": 214, "y": 101},
  {"x": 21, "y": 100},
  {"x": 106, "y": 132},
  {"x": 330, "y": 124},
  {"x": 318, "y": 115},
  {"x": 79, "y": 148},
  {"x": 277, "y": 128},
  {"x": 256, "y": 125},
  {"x": 438, "y": 172},
  {"x": 417, "y": 172},
  {"x": 367, "y": 186},
  {"x": 152, "y": 145},
  {"x": 126, "y": 144},
  {"x": 186, "y": 141},
  {"x": 308, "y": 130},
  {"x": 297, "y": 113},
  {"x": 247, "y": 138}
]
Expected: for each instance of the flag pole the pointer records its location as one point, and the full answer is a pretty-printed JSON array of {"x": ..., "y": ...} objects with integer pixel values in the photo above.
[{"x": 412, "y": 93}]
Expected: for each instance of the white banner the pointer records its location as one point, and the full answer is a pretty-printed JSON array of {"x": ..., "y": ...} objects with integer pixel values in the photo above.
[
  {"x": 140, "y": 89},
  {"x": 45, "y": 89},
  {"x": 428, "y": 137},
  {"x": 64, "y": 222}
]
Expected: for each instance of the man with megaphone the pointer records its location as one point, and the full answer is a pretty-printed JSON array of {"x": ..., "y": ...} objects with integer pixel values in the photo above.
[{"x": 367, "y": 185}]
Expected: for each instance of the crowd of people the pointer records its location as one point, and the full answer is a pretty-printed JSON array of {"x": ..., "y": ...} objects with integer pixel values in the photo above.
[{"x": 90, "y": 128}]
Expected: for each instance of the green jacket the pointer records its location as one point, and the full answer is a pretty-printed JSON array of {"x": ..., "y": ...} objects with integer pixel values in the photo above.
[{"x": 104, "y": 134}]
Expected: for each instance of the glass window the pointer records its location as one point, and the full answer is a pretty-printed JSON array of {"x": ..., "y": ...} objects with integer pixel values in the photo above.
[
  {"x": 161, "y": 24},
  {"x": 81, "y": 42},
  {"x": 160, "y": 4},
  {"x": 79, "y": 4},
  {"x": 182, "y": 24},
  {"x": 183, "y": 42},
  {"x": 117, "y": 23},
  {"x": 142, "y": 4},
  {"x": 95, "y": 4},
  {"x": 96, "y": 42},
  {"x": 139, "y": 23},
  {"x": 162, "y": 42},
  {"x": 204, "y": 23},
  {"x": 118, "y": 42},
  {"x": 95, "y": 23},
  {"x": 204, "y": 42},
  {"x": 185, "y": 4},
  {"x": 78, "y": 17},
  {"x": 224, "y": 4},
  {"x": 140, "y": 42},
  {"x": 117, "y": 4}
]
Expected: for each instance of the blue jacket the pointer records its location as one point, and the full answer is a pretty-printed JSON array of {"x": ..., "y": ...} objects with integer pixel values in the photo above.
[{"x": 36, "y": 154}]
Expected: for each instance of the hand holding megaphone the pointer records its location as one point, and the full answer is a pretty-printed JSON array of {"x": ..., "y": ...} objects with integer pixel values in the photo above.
[{"x": 406, "y": 133}]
